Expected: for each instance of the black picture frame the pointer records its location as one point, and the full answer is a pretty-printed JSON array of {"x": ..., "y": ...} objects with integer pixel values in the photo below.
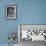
[{"x": 10, "y": 12}]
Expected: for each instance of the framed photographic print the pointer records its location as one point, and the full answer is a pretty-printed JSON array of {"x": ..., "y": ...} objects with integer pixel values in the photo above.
[{"x": 10, "y": 13}]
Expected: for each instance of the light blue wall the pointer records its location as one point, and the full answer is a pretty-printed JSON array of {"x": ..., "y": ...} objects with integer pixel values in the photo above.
[{"x": 28, "y": 12}]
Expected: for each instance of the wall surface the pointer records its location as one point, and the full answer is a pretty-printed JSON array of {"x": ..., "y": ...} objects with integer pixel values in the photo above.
[{"x": 28, "y": 12}]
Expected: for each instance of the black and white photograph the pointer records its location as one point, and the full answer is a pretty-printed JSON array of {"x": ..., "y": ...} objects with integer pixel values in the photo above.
[
  {"x": 29, "y": 34},
  {"x": 10, "y": 12}
]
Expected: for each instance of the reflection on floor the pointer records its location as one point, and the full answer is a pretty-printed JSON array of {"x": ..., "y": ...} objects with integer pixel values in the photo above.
[
  {"x": 30, "y": 43},
  {"x": 9, "y": 45}
]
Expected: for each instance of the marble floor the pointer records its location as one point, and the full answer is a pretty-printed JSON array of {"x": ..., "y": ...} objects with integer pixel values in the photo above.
[{"x": 30, "y": 43}]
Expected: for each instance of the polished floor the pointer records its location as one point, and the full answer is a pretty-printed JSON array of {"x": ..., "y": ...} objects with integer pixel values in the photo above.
[{"x": 30, "y": 43}]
